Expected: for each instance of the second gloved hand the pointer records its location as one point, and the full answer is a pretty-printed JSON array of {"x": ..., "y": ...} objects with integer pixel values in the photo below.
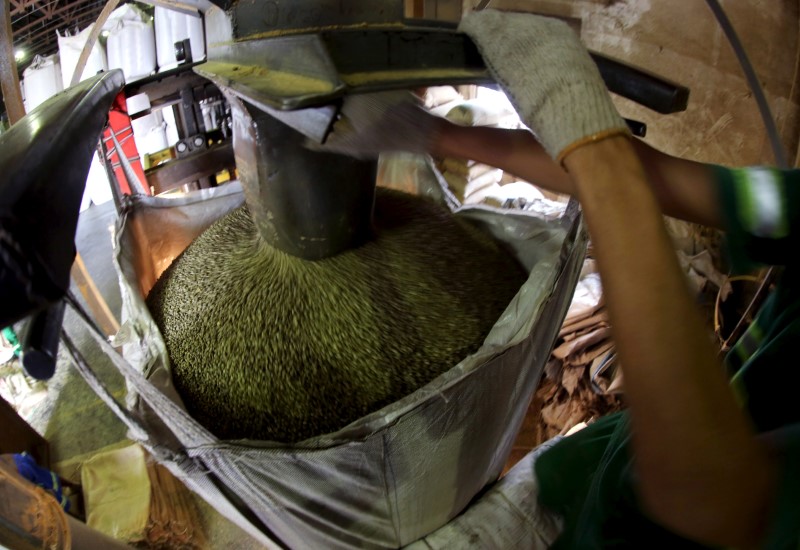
[{"x": 549, "y": 77}]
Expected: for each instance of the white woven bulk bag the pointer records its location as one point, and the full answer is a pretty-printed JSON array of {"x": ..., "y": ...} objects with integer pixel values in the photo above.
[
  {"x": 390, "y": 477},
  {"x": 173, "y": 26},
  {"x": 131, "y": 42},
  {"x": 41, "y": 81},
  {"x": 150, "y": 133},
  {"x": 69, "y": 50}
]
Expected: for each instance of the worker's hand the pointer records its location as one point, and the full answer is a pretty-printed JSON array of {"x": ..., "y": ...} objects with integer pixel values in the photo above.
[
  {"x": 549, "y": 77},
  {"x": 374, "y": 123}
]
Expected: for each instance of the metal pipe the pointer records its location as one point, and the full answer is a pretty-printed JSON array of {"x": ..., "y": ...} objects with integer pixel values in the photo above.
[
  {"x": 308, "y": 204},
  {"x": 134, "y": 182},
  {"x": 116, "y": 194},
  {"x": 40, "y": 342},
  {"x": 752, "y": 81}
]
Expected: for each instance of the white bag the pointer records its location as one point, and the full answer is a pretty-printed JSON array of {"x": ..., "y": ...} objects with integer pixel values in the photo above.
[
  {"x": 41, "y": 80},
  {"x": 69, "y": 50},
  {"x": 131, "y": 42},
  {"x": 388, "y": 478},
  {"x": 173, "y": 26}
]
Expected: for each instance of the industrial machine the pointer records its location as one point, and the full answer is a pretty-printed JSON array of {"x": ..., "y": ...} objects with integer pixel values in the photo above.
[{"x": 284, "y": 67}]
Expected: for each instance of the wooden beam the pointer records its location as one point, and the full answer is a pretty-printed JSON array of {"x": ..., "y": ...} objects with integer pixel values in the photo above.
[
  {"x": 90, "y": 42},
  {"x": 179, "y": 171},
  {"x": 56, "y": 11},
  {"x": 19, "y": 7},
  {"x": 49, "y": 9},
  {"x": 18, "y": 436},
  {"x": 414, "y": 9},
  {"x": 97, "y": 304},
  {"x": 9, "y": 78}
]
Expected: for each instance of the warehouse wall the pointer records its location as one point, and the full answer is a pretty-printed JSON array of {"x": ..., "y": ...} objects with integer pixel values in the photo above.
[
  {"x": 681, "y": 40},
  {"x": 442, "y": 10}
]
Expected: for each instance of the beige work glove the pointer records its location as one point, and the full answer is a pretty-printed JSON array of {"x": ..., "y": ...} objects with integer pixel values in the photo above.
[
  {"x": 549, "y": 77},
  {"x": 380, "y": 122}
]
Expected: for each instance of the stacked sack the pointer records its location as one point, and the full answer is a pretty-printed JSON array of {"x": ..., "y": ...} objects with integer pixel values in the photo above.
[
  {"x": 472, "y": 182},
  {"x": 131, "y": 43}
]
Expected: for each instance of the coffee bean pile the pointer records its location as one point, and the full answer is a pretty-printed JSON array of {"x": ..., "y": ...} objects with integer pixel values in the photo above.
[{"x": 269, "y": 346}]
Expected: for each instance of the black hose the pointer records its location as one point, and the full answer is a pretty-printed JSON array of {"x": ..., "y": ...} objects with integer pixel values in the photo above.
[
  {"x": 752, "y": 81},
  {"x": 777, "y": 150}
]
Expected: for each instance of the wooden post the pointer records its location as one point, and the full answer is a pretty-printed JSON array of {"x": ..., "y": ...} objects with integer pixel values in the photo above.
[
  {"x": 97, "y": 304},
  {"x": 18, "y": 436},
  {"x": 90, "y": 42},
  {"x": 9, "y": 78},
  {"x": 414, "y": 9}
]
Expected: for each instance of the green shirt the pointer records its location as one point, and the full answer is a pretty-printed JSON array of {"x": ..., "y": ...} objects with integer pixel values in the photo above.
[{"x": 588, "y": 477}]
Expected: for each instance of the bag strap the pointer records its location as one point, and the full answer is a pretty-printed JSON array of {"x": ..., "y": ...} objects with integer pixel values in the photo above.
[
  {"x": 188, "y": 432},
  {"x": 135, "y": 426}
]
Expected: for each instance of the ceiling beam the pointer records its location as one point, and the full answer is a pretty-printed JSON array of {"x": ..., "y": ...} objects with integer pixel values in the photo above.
[
  {"x": 93, "y": 36},
  {"x": 43, "y": 37},
  {"x": 56, "y": 11},
  {"x": 20, "y": 7},
  {"x": 48, "y": 9},
  {"x": 17, "y": 7}
]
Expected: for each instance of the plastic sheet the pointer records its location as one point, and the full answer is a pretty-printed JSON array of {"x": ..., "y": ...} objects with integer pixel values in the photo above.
[
  {"x": 390, "y": 477},
  {"x": 507, "y": 516},
  {"x": 98, "y": 188}
]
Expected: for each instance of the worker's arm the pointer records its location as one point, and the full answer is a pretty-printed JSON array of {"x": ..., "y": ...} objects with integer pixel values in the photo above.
[
  {"x": 702, "y": 472},
  {"x": 392, "y": 121},
  {"x": 684, "y": 189}
]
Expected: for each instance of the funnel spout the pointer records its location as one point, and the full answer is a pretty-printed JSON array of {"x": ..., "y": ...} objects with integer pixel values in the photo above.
[{"x": 306, "y": 203}]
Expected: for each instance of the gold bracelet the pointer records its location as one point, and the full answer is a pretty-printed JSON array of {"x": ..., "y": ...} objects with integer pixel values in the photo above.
[{"x": 593, "y": 138}]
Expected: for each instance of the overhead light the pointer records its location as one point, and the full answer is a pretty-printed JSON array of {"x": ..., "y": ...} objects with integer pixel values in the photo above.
[
  {"x": 19, "y": 55},
  {"x": 105, "y": 34}
]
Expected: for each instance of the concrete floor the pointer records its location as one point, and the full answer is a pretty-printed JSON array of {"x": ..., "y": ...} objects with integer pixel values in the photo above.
[{"x": 73, "y": 419}]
